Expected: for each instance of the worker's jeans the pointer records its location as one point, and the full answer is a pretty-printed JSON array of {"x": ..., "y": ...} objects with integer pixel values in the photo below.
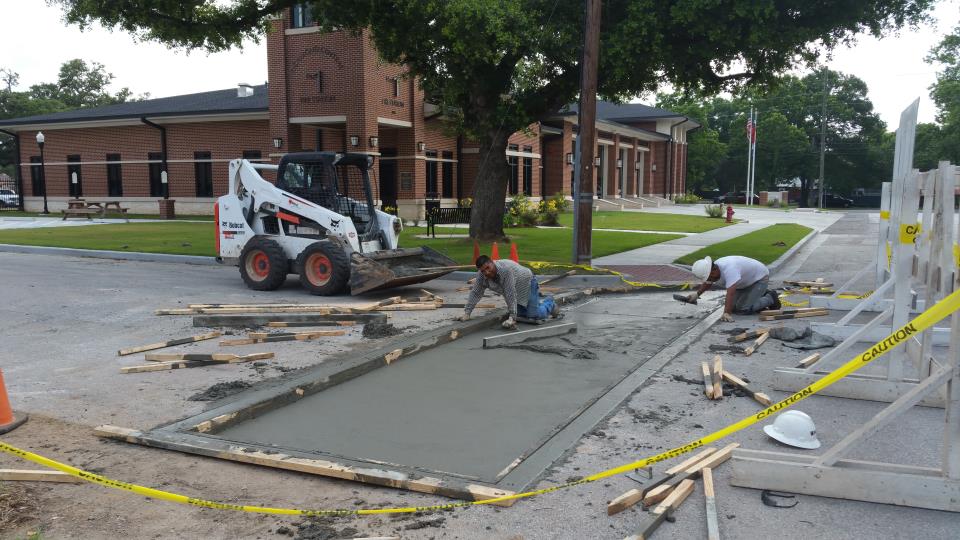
[
  {"x": 536, "y": 308},
  {"x": 752, "y": 299}
]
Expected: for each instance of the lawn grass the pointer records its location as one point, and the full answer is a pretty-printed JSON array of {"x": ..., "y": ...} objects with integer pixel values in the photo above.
[
  {"x": 552, "y": 245},
  {"x": 647, "y": 221},
  {"x": 57, "y": 214},
  {"x": 533, "y": 244},
  {"x": 760, "y": 245},
  {"x": 165, "y": 237}
]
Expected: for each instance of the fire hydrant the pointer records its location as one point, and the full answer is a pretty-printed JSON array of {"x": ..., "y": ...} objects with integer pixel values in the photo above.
[{"x": 729, "y": 213}]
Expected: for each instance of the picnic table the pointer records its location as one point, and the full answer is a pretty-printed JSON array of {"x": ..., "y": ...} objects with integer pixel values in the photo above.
[{"x": 88, "y": 208}]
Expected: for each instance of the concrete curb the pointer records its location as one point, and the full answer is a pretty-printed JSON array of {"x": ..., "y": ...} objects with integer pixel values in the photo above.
[
  {"x": 115, "y": 255},
  {"x": 775, "y": 265}
]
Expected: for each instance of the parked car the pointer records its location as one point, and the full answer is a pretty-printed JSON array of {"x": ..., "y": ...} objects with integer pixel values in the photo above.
[
  {"x": 739, "y": 198},
  {"x": 9, "y": 198},
  {"x": 712, "y": 195},
  {"x": 836, "y": 201}
]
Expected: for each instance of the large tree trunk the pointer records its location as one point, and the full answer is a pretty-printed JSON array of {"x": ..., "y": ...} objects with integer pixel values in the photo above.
[
  {"x": 804, "y": 192},
  {"x": 490, "y": 188}
]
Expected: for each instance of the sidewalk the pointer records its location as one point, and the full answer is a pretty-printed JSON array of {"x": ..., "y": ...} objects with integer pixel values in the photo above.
[{"x": 669, "y": 251}]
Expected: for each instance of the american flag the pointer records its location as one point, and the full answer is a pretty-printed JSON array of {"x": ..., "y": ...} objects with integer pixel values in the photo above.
[{"x": 751, "y": 131}]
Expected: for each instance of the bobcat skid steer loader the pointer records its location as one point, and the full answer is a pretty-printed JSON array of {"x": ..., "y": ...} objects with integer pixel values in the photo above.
[{"x": 318, "y": 221}]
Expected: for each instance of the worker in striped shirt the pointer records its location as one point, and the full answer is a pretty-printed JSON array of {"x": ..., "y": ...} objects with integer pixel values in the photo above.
[{"x": 519, "y": 288}]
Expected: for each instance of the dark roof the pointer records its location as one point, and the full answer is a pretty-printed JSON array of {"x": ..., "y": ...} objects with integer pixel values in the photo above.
[
  {"x": 626, "y": 112},
  {"x": 215, "y": 102}
]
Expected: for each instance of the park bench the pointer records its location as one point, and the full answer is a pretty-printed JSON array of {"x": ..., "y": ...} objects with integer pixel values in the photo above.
[
  {"x": 79, "y": 212},
  {"x": 446, "y": 216}
]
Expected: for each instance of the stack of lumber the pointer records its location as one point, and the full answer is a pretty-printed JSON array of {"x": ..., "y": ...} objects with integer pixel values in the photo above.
[
  {"x": 166, "y": 362},
  {"x": 427, "y": 301},
  {"x": 265, "y": 337},
  {"x": 666, "y": 491},
  {"x": 792, "y": 313}
]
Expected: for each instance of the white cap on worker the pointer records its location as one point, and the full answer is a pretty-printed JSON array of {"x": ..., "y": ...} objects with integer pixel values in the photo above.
[
  {"x": 701, "y": 268},
  {"x": 794, "y": 428}
]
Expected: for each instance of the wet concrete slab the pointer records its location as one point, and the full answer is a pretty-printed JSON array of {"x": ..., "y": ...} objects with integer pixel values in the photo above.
[{"x": 467, "y": 412}]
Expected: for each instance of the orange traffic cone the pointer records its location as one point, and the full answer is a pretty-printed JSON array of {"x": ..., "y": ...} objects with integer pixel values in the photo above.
[
  {"x": 495, "y": 253},
  {"x": 513, "y": 253},
  {"x": 7, "y": 420},
  {"x": 476, "y": 251}
]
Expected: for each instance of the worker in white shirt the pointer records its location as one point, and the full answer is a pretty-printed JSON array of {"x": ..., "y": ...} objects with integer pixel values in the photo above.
[{"x": 745, "y": 280}]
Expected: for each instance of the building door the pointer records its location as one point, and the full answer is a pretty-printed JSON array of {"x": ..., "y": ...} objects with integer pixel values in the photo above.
[
  {"x": 114, "y": 176},
  {"x": 602, "y": 172},
  {"x": 388, "y": 178},
  {"x": 640, "y": 173},
  {"x": 446, "y": 187},
  {"x": 74, "y": 178},
  {"x": 156, "y": 165},
  {"x": 622, "y": 173}
]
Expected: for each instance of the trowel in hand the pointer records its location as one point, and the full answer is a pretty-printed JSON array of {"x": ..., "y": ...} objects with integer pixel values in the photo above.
[{"x": 683, "y": 298}]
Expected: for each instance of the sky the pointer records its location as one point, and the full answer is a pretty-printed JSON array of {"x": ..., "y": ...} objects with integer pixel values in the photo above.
[{"x": 893, "y": 67}]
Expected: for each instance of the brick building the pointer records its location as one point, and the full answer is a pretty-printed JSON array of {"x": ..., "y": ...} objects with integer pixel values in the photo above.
[{"x": 328, "y": 91}]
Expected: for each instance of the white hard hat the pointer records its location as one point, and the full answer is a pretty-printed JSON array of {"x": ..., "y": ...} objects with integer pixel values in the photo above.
[
  {"x": 794, "y": 428},
  {"x": 701, "y": 268}
]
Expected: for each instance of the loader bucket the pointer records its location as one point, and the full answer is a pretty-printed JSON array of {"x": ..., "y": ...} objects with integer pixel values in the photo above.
[{"x": 395, "y": 268}]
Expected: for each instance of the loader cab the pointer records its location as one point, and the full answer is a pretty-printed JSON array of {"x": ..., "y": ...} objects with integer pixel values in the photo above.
[{"x": 337, "y": 182}]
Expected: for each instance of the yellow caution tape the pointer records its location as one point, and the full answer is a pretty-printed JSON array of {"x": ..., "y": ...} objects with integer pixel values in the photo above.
[
  {"x": 785, "y": 302},
  {"x": 909, "y": 232},
  {"x": 956, "y": 256},
  {"x": 884, "y": 214},
  {"x": 889, "y": 255},
  {"x": 922, "y": 322}
]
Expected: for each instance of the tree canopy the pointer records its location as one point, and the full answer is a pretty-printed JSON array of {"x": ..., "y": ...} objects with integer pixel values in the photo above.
[
  {"x": 496, "y": 66},
  {"x": 941, "y": 140},
  {"x": 78, "y": 85}
]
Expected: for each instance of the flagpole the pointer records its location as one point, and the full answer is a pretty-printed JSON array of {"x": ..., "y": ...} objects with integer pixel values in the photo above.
[
  {"x": 746, "y": 186},
  {"x": 753, "y": 145}
]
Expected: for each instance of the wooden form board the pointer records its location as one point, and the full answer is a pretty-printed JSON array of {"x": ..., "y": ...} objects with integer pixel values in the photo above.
[
  {"x": 800, "y": 315},
  {"x": 752, "y": 334},
  {"x": 760, "y": 397},
  {"x": 713, "y": 527},
  {"x": 716, "y": 370},
  {"x": 277, "y": 460},
  {"x": 24, "y": 475},
  {"x": 756, "y": 344},
  {"x": 712, "y": 461},
  {"x": 659, "y": 514},
  {"x": 171, "y": 343},
  {"x": 632, "y": 497}
]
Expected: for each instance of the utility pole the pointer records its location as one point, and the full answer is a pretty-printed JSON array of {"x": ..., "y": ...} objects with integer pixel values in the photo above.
[
  {"x": 753, "y": 157},
  {"x": 746, "y": 185},
  {"x": 586, "y": 139},
  {"x": 823, "y": 137}
]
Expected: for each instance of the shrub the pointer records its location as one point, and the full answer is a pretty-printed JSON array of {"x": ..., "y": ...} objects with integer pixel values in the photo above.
[
  {"x": 686, "y": 198},
  {"x": 465, "y": 202},
  {"x": 390, "y": 210},
  {"x": 521, "y": 212},
  {"x": 713, "y": 210},
  {"x": 561, "y": 202}
]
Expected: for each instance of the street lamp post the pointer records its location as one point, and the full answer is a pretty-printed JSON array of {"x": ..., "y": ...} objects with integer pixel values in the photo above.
[{"x": 43, "y": 171}]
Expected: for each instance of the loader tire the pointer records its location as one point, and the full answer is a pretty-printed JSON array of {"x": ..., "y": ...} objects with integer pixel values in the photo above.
[
  {"x": 263, "y": 264},
  {"x": 324, "y": 269}
]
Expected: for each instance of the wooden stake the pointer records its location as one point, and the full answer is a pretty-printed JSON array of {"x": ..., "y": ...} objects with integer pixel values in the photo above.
[
  {"x": 760, "y": 340},
  {"x": 560, "y": 276},
  {"x": 407, "y": 307},
  {"x": 707, "y": 380},
  {"x": 23, "y": 475},
  {"x": 659, "y": 514},
  {"x": 760, "y": 397},
  {"x": 803, "y": 315},
  {"x": 634, "y": 496},
  {"x": 662, "y": 491},
  {"x": 809, "y": 361},
  {"x": 811, "y": 284},
  {"x": 748, "y": 335},
  {"x": 716, "y": 377},
  {"x": 713, "y": 528},
  {"x": 171, "y": 343}
]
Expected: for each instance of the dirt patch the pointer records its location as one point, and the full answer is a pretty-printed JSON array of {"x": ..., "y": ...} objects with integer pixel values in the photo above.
[
  {"x": 424, "y": 524},
  {"x": 220, "y": 390},
  {"x": 656, "y": 417},
  {"x": 18, "y": 505},
  {"x": 380, "y": 329},
  {"x": 319, "y": 531},
  {"x": 681, "y": 378}
]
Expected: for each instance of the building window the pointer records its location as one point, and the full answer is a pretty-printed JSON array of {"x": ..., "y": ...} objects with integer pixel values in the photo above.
[
  {"x": 114, "y": 176},
  {"x": 318, "y": 80},
  {"x": 301, "y": 15},
  {"x": 513, "y": 187},
  {"x": 432, "y": 175},
  {"x": 155, "y": 167},
  {"x": 73, "y": 170},
  {"x": 319, "y": 140},
  {"x": 528, "y": 172},
  {"x": 448, "y": 175},
  {"x": 36, "y": 182},
  {"x": 203, "y": 174},
  {"x": 252, "y": 155},
  {"x": 395, "y": 85}
]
